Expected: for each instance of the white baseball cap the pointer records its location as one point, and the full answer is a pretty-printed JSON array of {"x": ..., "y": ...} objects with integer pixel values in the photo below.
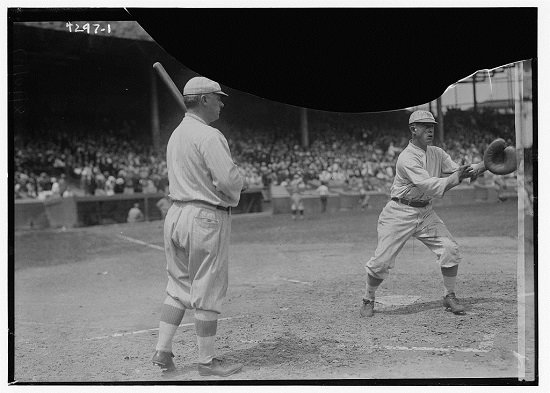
[
  {"x": 422, "y": 117},
  {"x": 202, "y": 85}
]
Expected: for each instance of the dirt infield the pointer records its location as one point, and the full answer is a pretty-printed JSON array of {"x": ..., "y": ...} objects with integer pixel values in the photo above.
[{"x": 87, "y": 303}]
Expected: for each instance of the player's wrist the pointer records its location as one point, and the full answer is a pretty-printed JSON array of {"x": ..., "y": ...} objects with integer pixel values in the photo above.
[{"x": 453, "y": 180}]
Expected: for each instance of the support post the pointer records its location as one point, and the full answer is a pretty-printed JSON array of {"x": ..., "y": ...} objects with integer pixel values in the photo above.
[
  {"x": 474, "y": 92},
  {"x": 155, "y": 127},
  {"x": 440, "y": 122},
  {"x": 304, "y": 128}
]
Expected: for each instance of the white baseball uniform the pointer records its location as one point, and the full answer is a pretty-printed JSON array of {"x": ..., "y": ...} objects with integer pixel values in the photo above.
[
  {"x": 419, "y": 179},
  {"x": 204, "y": 182}
]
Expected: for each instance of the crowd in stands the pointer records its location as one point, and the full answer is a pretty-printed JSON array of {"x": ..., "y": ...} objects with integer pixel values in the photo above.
[
  {"x": 342, "y": 150},
  {"x": 96, "y": 163}
]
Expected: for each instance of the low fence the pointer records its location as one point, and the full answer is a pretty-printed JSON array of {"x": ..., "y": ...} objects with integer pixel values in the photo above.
[
  {"x": 349, "y": 200},
  {"x": 81, "y": 211}
]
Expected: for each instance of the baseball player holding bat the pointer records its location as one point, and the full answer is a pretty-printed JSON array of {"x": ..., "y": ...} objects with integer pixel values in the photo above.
[
  {"x": 419, "y": 178},
  {"x": 204, "y": 184}
]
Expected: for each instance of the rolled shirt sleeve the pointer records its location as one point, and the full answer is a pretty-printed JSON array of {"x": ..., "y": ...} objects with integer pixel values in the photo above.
[
  {"x": 431, "y": 187},
  {"x": 448, "y": 166}
]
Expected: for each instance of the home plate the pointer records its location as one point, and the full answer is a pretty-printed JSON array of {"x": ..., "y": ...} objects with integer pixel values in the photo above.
[{"x": 396, "y": 300}]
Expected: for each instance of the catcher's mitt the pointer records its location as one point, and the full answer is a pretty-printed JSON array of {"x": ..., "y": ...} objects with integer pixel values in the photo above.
[{"x": 500, "y": 159}]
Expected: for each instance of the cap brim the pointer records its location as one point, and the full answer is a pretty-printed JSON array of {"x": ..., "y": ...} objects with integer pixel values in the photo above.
[
  {"x": 221, "y": 93},
  {"x": 424, "y": 121}
]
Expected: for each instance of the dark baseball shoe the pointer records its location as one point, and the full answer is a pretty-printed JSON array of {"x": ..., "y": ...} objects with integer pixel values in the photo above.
[
  {"x": 451, "y": 304},
  {"x": 216, "y": 368},
  {"x": 367, "y": 309},
  {"x": 164, "y": 360}
]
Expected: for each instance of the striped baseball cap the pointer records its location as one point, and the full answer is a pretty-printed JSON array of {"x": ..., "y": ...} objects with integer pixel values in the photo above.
[
  {"x": 202, "y": 85},
  {"x": 422, "y": 117}
]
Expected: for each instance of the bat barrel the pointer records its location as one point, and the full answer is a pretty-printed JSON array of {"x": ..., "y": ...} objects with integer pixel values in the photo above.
[{"x": 169, "y": 83}]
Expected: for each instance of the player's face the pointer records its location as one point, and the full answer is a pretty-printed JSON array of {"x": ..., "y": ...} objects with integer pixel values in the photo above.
[
  {"x": 214, "y": 106},
  {"x": 424, "y": 133}
]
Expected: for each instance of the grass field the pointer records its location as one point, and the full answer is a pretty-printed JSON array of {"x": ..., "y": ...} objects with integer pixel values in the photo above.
[{"x": 92, "y": 297}]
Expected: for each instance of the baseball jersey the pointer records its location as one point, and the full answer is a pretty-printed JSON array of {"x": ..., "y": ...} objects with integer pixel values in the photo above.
[
  {"x": 296, "y": 197},
  {"x": 297, "y": 203},
  {"x": 200, "y": 166},
  {"x": 419, "y": 173}
]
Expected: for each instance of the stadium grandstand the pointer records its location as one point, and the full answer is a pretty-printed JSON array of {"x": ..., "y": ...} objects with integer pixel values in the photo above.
[{"x": 89, "y": 118}]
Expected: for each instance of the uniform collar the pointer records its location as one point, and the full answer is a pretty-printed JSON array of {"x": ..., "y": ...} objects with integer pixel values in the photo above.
[
  {"x": 195, "y": 117},
  {"x": 418, "y": 149}
]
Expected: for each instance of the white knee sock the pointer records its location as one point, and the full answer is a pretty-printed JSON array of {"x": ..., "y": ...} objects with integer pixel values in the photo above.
[
  {"x": 206, "y": 324},
  {"x": 449, "y": 284},
  {"x": 449, "y": 278},
  {"x": 170, "y": 318},
  {"x": 372, "y": 285}
]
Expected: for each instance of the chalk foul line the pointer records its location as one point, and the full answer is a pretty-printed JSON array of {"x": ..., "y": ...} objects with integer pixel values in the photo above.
[
  {"x": 149, "y": 330},
  {"x": 435, "y": 349},
  {"x": 136, "y": 241},
  {"x": 296, "y": 281}
]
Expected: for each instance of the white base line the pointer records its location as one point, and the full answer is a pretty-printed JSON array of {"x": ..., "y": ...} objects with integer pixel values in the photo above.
[
  {"x": 136, "y": 241},
  {"x": 150, "y": 330},
  {"x": 296, "y": 281},
  {"x": 394, "y": 348}
]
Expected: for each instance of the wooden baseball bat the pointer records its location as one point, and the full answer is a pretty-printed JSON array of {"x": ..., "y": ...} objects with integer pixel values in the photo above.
[{"x": 161, "y": 72}]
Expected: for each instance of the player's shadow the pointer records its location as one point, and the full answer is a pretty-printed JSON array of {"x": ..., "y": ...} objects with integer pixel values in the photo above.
[
  {"x": 270, "y": 352},
  {"x": 414, "y": 308},
  {"x": 285, "y": 349},
  {"x": 187, "y": 372}
]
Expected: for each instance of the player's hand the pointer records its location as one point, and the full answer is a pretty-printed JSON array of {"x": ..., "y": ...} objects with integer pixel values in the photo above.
[
  {"x": 465, "y": 171},
  {"x": 474, "y": 176}
]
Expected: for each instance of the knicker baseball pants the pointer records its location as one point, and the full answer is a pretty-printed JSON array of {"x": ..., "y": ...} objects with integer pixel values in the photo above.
[
  {"x": 397, "y": 224},
  {"x": 196, "y": 242}
]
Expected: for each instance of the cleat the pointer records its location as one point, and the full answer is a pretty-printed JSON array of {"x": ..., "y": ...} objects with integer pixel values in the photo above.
[
  {"x": 367, "y": 309},
  {"x": 451, "y": 304},
  {"x": 164, "y": 360},
  {"x": 216, "y": 368}
]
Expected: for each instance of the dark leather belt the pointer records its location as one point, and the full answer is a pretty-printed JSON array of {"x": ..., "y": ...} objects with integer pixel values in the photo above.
[
  {"x": 217, "y": 207},
  {"x": 410, "y": 203}
]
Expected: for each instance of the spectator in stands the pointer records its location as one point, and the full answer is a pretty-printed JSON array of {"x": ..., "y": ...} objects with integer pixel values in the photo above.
[
  {"x": 163, "y": 182},
  {"x": 119, "y": 186},
  {"x": 62, "y": 184},
  {"x": 55, "y": 188},
  {"x": 18, "y": 191},
  {"x": 31, "y": 189},
  {"x": 129, "y": 187},
  {"x": 110, "y": 185},
  {"x": 44, "y": 182},
  {"x": 91, "y": 184},
  {"x": 149, "y": 187},
  {"x": 100, "y": 180},
  {"x": 340, "y": 146}
]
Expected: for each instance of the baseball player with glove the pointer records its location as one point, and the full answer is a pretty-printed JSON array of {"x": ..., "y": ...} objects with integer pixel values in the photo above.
[
  {"x": 423, "y": 172},
  {"x": 204, "y": 184}
]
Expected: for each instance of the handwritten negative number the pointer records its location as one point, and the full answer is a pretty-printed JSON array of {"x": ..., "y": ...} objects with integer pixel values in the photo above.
[{"x": 86, "y": 27}]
